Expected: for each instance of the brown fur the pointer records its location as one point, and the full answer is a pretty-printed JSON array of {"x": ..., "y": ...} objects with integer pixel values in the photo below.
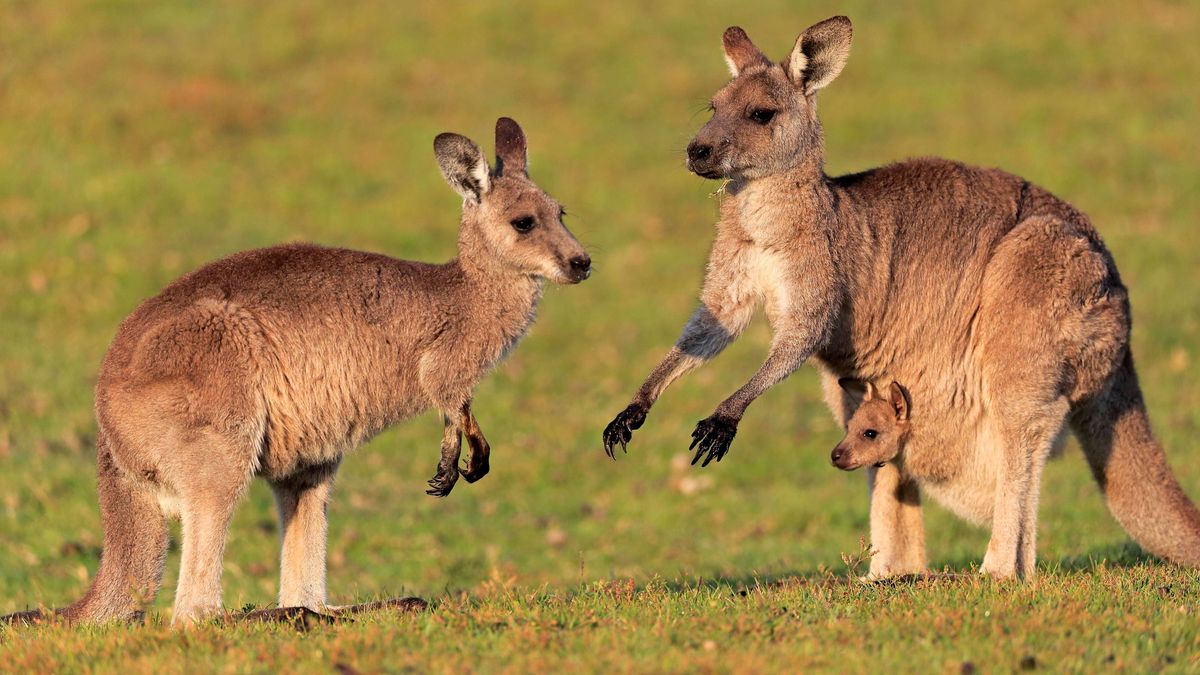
[
  {"x": 995, "y": 302},
  {"x": 277, "y": 362}
]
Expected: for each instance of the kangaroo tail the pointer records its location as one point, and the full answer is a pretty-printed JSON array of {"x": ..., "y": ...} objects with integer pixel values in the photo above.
[
  {"x": 1131, "y": 468},
  {"x": 135, "y": 549}
]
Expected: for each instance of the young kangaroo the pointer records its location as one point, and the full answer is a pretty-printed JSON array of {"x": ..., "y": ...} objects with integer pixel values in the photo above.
[
  {"x": 279, "y": 361},
  {"x": 878, "y": 429},
  {"x": 993, "y": 300},
  {"x": 876, "y": 433}
]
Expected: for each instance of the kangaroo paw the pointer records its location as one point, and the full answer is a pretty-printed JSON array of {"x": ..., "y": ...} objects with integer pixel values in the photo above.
[
  {"x": 620, "y": 430},
  {"x": 477, "y": 465},
  {"x": 712, "y": 438},
  {"x": 476, "y": 469},
  {"x": 443, "y": 482}
]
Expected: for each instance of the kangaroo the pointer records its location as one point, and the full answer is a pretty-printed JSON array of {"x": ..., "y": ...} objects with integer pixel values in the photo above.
[
  {"x": 876, "y": 435},
  {"x": 878, "y": 429},
  {"x": 996, "y": 303},
  {"x": 277, "y": 362}
]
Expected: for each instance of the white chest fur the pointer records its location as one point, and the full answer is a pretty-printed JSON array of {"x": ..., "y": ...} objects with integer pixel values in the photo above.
[{"x": 766, "y": 262}]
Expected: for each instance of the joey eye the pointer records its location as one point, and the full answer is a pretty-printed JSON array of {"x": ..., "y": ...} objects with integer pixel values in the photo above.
[
  {"x": 762, "y": 115},
  {"x": 870, "y": 434},
  {"x": 522, "y": 224}
]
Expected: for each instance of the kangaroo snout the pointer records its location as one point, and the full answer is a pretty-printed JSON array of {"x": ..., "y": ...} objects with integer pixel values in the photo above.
[
  {"x": 698, "y": 152},
  {"x": 581, "y": 268},
  {"x": 700, "y": 160},
  {"x": 841, "y": 458}
]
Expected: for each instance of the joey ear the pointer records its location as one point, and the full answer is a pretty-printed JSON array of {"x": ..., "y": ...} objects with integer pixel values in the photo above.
[
  {"x": 819, "y": 54},
  {"x": 858, "y": 390},
  {"x": 898, "y": 397},
  {"x": 512, "y": 151},
  {"x": 740, "y": 52},
  {"x": 463, "y": 165}
]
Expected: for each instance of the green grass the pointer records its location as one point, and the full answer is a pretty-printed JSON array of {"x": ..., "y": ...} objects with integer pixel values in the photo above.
[{"x": 140, "y": 140}]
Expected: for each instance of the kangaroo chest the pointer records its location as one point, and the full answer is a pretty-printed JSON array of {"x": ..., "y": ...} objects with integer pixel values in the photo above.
[{"x": 771, "y": 252}]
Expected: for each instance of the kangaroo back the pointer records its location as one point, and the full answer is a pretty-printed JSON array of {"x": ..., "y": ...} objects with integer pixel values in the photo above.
[{"x": 1131, "y": 468}]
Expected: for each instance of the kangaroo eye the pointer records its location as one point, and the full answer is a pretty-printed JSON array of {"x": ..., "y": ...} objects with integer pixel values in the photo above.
[
  {"x": 523, "y": 224},
  {"x": 762, "y": 115},
  {"x": 870, "y": 434}
]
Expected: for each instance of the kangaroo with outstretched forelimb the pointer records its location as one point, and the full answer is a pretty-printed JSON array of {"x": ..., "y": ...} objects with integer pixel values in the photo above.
[
  {"x": 277, "y": 362},
  {"x": 995, "y": 302}
]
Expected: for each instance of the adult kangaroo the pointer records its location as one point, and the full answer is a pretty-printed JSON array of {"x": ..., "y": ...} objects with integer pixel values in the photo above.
[
  {"x": 277, "y": 362},
  {"x": 994, "y": 301}
]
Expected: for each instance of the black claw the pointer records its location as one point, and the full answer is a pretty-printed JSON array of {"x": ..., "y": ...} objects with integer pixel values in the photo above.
[
  {"x": 620, "y": 430},
  {"x": 712, "y": 439},
  {"x": 442, "y": 482}
]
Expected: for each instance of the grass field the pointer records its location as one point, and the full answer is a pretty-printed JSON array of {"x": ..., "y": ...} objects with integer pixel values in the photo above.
[{"x": 140, "y": 140}]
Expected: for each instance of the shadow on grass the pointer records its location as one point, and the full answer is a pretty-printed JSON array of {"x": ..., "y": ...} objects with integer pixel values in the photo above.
[
  {"x": 1124, "y": 554},
  {"x": 1115, "y": 555},
  {"x": 813, "y": 578},
  {"x": 1120, "y": 555}
]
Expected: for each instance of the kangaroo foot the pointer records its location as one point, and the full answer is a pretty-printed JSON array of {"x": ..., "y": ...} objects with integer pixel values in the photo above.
[
  {"x": 27, "y": 618},
  {"x": 411, "y": 604},
  {"x": 443, "y": 481},
  {"x": 301, "y": 618}
]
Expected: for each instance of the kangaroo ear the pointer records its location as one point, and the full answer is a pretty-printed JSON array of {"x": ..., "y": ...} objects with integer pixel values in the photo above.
[
  {"x": 858, "y": 390},
  {"x": 819, "y": 54},
  {"x": 463, "y": 165},
  {"x": 898, "y": 397},
  {"x": 512, "y": 151},
  {"x": 740, "y": 52}
]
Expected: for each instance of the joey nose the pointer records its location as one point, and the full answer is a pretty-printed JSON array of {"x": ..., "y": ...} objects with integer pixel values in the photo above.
[
  {"x": 698, "y": 152},
  {"x": 581, "y": 268},
  {"x": 837, "y": 457}
]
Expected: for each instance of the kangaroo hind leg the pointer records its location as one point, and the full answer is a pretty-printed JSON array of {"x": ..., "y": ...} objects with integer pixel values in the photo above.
[
  {"x": 303, "y": 500},
  {"x": 1036, "y": 294},
  {"x": 218, "y": 470},
  {"x": 1022, "y": 444}
]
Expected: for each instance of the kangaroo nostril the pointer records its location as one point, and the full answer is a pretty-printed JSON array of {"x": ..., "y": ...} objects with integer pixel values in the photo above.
[
  {"x": 837, "y": 454},
  {"x": 581, "y": 268},
  {"x": 697, "y": 152}
]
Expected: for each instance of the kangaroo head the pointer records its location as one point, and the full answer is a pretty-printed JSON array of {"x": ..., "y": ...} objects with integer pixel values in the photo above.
[
  {"x": 508, "y": 222},
  {"x": 765, "y": 121},
  {"x": 877, "y": 431}
]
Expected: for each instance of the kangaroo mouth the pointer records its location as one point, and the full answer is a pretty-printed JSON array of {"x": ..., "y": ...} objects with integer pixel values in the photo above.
[
  {"x": 847, "y": 464},
  {"x": 574, "y": 272},
  {"x": 708, "y": 169}
]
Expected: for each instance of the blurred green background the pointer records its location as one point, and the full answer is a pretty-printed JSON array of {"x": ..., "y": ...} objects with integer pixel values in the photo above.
[{"x": 141, "y": 140}]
